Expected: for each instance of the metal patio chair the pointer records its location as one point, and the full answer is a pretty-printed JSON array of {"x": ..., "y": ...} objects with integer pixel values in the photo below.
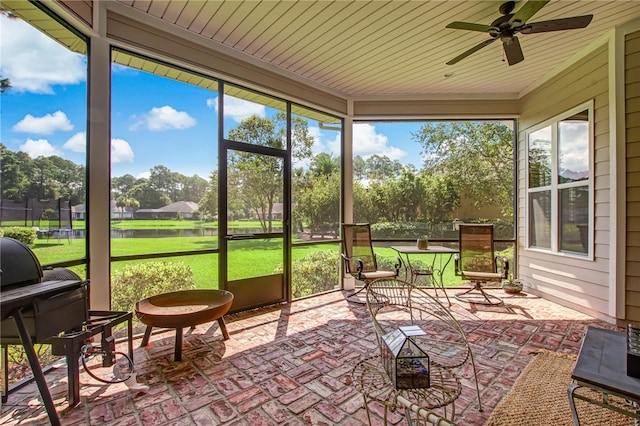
[
  {"x": 478, "y": 263},
  {"x": 360, "y": 259}
]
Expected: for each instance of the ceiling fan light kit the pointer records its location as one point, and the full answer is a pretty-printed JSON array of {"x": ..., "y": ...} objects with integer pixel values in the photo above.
[{"x": 509, "y": 24}]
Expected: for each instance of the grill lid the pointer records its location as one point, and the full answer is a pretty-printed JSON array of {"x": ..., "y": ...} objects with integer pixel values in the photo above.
[{"x": 19, "y": 266}]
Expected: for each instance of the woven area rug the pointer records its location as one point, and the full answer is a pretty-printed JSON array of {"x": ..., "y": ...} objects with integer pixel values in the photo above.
[{"x": 539, "y": 397}]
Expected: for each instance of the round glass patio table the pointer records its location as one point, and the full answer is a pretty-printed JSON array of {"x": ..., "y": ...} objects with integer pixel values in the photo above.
[{"x": 372, "y": 381}]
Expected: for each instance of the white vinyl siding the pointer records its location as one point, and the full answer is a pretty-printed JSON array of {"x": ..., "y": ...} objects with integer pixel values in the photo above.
[
  {"x": 582, "y": 283},
  {"x": 632, "y": 127}
]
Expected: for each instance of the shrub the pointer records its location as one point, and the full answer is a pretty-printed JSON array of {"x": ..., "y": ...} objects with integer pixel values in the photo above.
[
  {"x": 142, "y": 280},
  {"x": 314, "y": 273},
  {"x": 399, "y": 230},
  {"x": 22, "y": 234}
]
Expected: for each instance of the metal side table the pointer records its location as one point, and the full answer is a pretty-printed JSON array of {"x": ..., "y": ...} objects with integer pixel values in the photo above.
[
  {"x": 370, "y": 378},
  {"x": 601, "y": 366}
]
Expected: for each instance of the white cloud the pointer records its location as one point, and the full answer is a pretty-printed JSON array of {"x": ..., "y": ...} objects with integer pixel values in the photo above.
[
  {"x": 212, "y": 103},
  {"x": 76, "y": 143},
  {"x": 366, "y": 142},
  {"x": 33, "y": 62},
  {"x": 144, "y": 175},
  {"x": 39, "y": 148},
  {"x": 238, "y": 109},
  {"x": 574, "y": 146},
  {"x": 121, "y": 151},
  {"x": 44, "y": 125},
  {"x": 164, "y": 118}
]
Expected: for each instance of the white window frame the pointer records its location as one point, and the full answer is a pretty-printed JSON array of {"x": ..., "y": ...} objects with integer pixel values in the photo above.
[{"x": 555, "y": 187}]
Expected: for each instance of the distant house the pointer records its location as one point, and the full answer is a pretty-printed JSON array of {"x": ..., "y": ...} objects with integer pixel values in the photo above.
[
  {"x": 177, "y": 210},
  {"x": 78, "y": 212},
  {"x": 276, "y": 212},
  {"x": 119, "y": 213}
]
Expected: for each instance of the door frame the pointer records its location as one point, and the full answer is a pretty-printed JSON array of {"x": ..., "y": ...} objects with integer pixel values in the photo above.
[{"x": 261, "y": 290}]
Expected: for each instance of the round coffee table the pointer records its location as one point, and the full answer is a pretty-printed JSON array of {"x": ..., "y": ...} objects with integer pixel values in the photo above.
[{"x": 184, "y": 308}]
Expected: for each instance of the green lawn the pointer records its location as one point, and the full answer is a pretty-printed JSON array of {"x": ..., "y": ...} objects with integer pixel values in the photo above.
[{"x": 250, "y": 258}]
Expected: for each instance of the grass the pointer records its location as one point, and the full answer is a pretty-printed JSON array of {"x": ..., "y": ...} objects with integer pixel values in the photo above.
[{"x": 248, "y": 258}]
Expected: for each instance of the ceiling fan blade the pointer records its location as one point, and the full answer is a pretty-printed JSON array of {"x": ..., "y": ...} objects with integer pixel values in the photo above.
[
  {"x": 468, "y": 26},
  {"x": 557, "y": 24},
  {"x": 527, "y": 11},
  {"x": 513, "y": 51},
  {"x": 470, "y": 51}
]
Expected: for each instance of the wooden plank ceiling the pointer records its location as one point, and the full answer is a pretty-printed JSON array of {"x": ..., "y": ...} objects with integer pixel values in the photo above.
[{"x": 379, "y": 49}]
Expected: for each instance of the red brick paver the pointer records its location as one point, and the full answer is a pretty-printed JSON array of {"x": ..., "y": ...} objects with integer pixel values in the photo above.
[{"x": 291, "y": 364}]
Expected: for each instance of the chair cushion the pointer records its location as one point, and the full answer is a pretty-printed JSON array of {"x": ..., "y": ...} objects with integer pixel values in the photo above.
[
  {"x": 377, "y": 274},
  {"x": 488, "y": 276}
]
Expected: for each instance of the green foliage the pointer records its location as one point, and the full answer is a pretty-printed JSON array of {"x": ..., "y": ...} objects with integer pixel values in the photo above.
[
  {"x": 142, "y": 280},
  {"x": 25, "y": 235},
  {"x": 319, "y": 205},
  {"x": 314, "y": 273},
  {"x": 477, "y": 155},
  {"x": 390, "y": 230}
]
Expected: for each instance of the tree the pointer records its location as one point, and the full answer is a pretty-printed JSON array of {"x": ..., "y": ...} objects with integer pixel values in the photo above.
[
  {"x": 382, "y": 167},
  {"x": 208, "y": 204},
  {"x": 5, "y": 85},
  {"x": 477, "y": 155},
  {"x": 15, "y": 173},
  {"x": 192, "y": 188},
  {"x": 124, "y": 202},
  {"x": 122, "y": 185},
  {"x": 164, "y": 181},
  {"x": 359, "y": 168},
  {"x": 324, "y": 164},
  {"x": 319, "y": 204}
]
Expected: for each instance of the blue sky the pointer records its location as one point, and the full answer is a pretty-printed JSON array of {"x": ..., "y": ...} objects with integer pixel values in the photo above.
[{"x": 154, "y": 120}]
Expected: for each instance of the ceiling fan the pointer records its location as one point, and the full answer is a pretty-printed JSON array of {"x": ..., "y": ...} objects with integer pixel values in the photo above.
[{"x": 509, "y": 24}]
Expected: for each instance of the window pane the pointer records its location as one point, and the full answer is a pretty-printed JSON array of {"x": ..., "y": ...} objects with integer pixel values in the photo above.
[
  {"x": 255, "y": 187},
  {"x": 573, "y": 148},
  {"x": 413, "y": 178},
  {"x": 136, "y": 279},
  {"x": 43, "y": 127},
  {"x": 316, "y": 175},
  {"x": 539, "y": 151},
  {"x": 254, "y": 118},
  {"x": 316, "y": 268},
  {"x": 574, "y": 219},
  {"x": 163, "y": 158},
  {"x": 540, "y": 219}
]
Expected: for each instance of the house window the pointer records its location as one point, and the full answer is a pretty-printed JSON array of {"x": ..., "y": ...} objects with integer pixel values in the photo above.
[{"x": 560, "y": 182}]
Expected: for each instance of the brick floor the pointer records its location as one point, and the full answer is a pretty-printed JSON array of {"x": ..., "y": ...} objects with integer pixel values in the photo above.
[{"x": 291, "y": 364}]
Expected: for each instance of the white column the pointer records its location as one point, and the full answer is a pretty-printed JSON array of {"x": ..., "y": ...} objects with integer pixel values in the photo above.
[{"x": 99, "y": 153}]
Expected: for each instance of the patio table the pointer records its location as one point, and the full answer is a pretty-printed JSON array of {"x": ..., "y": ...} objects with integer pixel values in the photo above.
[{"x": 440, "y": 253}]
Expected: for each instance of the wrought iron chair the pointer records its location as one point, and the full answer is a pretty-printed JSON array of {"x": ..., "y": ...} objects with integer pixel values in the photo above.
[
  {"x": 360, "y": 259},
  {"x": 393, "y": 303},
  {"x": 478, "y": 263}
]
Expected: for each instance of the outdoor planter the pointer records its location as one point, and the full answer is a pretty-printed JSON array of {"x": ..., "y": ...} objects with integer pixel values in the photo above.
[
  {"x": 423, "y": 243},
  {"x": 512, "y": 286}
]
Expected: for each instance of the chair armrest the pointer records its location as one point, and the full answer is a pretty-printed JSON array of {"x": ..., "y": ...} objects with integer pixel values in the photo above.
[
  {"x": 347, "y": 266},
  {"x": 504, "y": 265}
]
